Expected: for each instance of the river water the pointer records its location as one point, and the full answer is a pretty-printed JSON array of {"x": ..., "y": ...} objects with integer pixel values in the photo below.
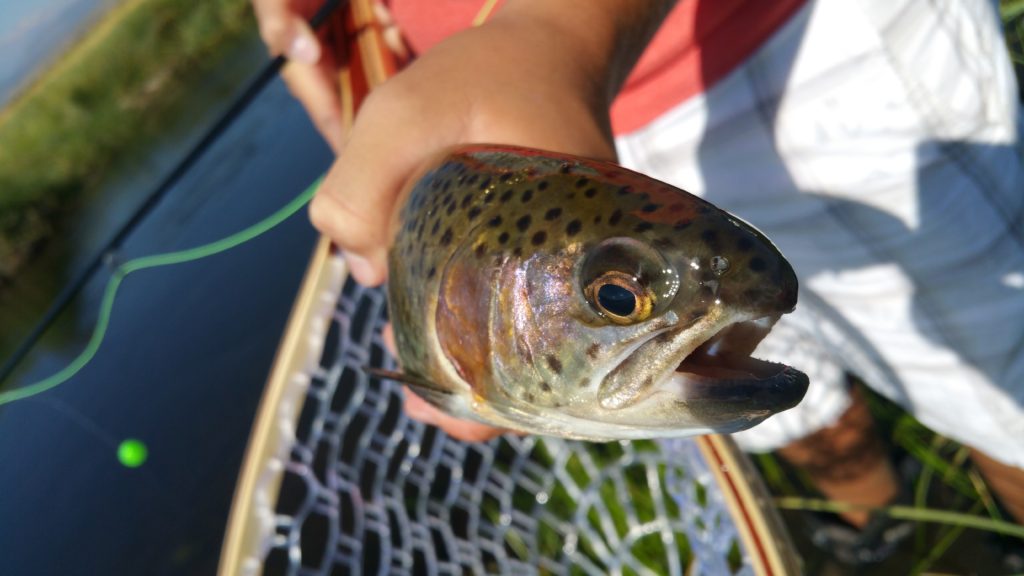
[{"x": 185, "y": 358}]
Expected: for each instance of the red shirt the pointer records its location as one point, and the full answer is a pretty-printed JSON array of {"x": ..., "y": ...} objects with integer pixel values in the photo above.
[{"x": 698, "y": 44}]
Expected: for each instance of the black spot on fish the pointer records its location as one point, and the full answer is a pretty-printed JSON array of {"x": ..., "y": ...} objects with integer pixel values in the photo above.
[
  {"x": 554, "y": 363},
  {"x": 474, "y": 212},
  {"x": 616, "y": 216},
  {"x": 446, "y": 239},
  {"x": 528, "y": 396},
  {"x": 517, "y": 251},
  {"x": 527, "y": 195},
  {"x": 681, "y": 225},
  {"x": 710, "y": 237},
  {"x": 650, "y": 207},
  {"x": 465, "y": 201},
  {"x": 757, "y": 264},
  {"x": 435, "y": 227},
  {"x": 447, "y": 185},
  {"x": 597, "y": 219},
  {"x": 523, "y": 224},
  {"x": 625, "y": 190},
  {"x": 582, "y": 182},
  {"x": 472, "y": 180},
  {"x": 545, "y": 386},
  {"x": 643, "y": 227},
  {"x": 592, "y": 350},
  {"x": 503, "y": 238},
  {"x": 573, "y": 228},
  {"x": 431, "y": 272},
  {"x": 583, "y": 383},
  {"x": 553, "y": 214},
  {"x": 506, "y": 177},
  {"x": 480, "y": 249},
  {"x": 494, "y": 222},
  {"x": 485, "y": 184},
  {"x": 451, "y": 209},
  {"x": 590, "y": 193},
  {"x": 745, "y": 244},
  {"x": 565, "y": 168},
  {"x": 506, "y": 195},
  {"x": 542, "y": 185},
  {"x": 539, "y": 238}
]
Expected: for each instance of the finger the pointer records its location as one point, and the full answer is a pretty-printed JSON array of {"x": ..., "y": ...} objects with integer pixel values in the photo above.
[
  {"x": 286, "y": 32},
  {"x": 388, "y": 334},
  {"x": 465, "y": 430},
  {"x": 316, "y": 88}
]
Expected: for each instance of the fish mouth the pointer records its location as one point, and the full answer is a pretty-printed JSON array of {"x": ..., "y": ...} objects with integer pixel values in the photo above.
[{"x": 729, "y": 390}]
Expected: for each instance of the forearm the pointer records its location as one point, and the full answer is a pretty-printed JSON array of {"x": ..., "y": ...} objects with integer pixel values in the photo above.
[{"x": 604, "y": 38}]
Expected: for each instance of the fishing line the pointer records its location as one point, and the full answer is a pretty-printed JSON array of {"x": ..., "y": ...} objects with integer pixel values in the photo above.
[
  {"x": 154, "y": 261},
  {"x": 82, "y": 277}
]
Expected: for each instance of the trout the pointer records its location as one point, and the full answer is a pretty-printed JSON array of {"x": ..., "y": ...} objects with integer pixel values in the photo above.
[{"x": 551, "y": 294}]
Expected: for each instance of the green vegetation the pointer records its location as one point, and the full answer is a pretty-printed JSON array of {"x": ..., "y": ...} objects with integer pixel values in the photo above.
[
  {"x": 1012, "y": 12},
  {"x": 109, "y": 92}
]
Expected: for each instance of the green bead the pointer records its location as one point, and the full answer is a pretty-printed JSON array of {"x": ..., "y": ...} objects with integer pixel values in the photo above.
[{"x": 132, "y": 453}]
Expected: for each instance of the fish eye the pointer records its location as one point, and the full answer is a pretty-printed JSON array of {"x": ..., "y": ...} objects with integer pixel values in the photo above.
[
  {"x": 620, "y": 298},
  {"x": 626, "y": 281}
]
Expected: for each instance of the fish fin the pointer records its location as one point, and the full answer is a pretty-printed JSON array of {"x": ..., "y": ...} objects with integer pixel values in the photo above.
[{"x": 424, "y": 388}]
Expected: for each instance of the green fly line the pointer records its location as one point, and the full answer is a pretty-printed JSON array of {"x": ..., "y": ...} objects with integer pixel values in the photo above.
[{"x": 154, "y": 261}]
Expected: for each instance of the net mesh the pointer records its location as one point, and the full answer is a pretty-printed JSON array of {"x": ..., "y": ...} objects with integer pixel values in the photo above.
[{"x": 367, "y": 490}]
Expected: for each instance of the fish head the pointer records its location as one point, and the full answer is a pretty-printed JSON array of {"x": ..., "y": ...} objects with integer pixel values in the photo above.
[{"x": 599, "y": 303}]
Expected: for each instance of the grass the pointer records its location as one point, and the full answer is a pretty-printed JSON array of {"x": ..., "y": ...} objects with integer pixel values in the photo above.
[{"x": 106, "y": 95}]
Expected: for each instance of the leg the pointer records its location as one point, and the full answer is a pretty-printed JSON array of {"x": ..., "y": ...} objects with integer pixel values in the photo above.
[
  {"x": 1006, "y": 481},
  {"x": 847, "y": 462}
]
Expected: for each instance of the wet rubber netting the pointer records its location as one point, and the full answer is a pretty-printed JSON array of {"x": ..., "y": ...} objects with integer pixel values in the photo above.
[{"x": 367, "y": 490}]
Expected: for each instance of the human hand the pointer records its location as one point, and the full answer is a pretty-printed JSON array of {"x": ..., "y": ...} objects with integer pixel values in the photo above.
[{"x": 312, "y": 70}]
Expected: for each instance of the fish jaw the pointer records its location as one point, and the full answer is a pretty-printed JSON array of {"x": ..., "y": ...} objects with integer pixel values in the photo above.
[
  {"x": 721, "y": 386},
  {"x": 697, "y": 377}
]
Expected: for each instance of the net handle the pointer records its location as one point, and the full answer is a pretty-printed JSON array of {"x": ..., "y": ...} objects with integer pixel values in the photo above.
[{"x": 367, "y": 65}]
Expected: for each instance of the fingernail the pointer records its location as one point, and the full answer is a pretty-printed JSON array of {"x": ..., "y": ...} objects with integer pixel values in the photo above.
[
  {"x": 361, "y": 269},
  {"x": 304, "y": 49}
]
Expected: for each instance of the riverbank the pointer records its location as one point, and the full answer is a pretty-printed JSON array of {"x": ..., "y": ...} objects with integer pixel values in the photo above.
[{"x": 107, "y": 95}]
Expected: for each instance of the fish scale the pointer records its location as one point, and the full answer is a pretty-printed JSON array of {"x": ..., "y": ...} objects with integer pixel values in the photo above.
[{"x": 495, "y": 282}]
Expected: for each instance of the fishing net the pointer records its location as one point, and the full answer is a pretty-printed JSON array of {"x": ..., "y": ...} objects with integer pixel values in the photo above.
[{"x": 367, "y": 490}]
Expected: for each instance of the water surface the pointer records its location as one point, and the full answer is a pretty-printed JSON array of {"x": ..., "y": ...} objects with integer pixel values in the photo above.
[{"x": 184, "y": 361}]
